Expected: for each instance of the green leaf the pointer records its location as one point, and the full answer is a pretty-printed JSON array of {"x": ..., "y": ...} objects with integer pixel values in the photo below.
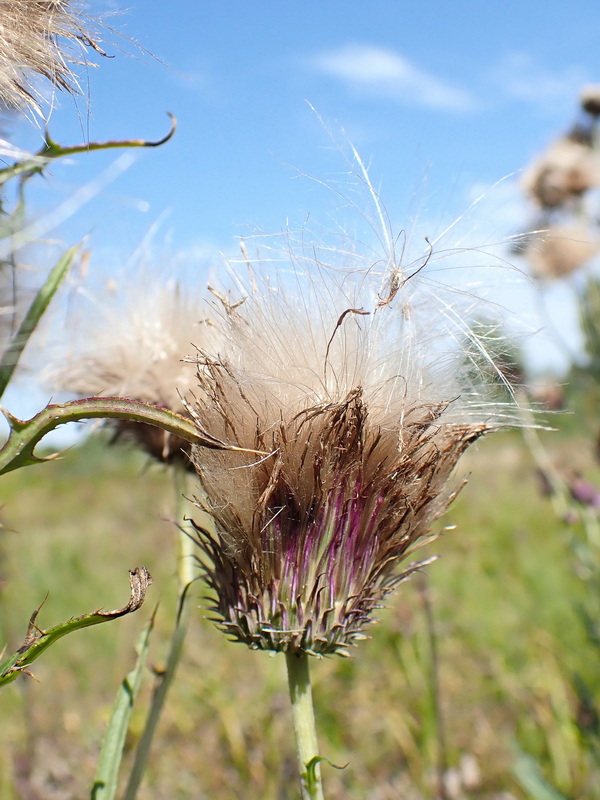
[
  {"x": 37, "y": 640},
  {"x": 111, "y": 755},
  {"x": 529, "y": 775},
  {"x": 311, "y": 777},
  {"x": 54, "y": 150},
  {"x": 14, "y": 221},
  {"x": 27, "y": 166},
  {"x": 165, "y": 677},
  {"x": 11, "y": 356}
]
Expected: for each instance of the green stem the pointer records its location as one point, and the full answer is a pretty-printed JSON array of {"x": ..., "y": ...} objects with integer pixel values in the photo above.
[
  {"x": 187, "y": 570},
  {"x": 434, "y": 687},
  {"x": 18, "y": 450},
  {"x": 304, "y": 726},
  {"x": 187, "y": 574}
]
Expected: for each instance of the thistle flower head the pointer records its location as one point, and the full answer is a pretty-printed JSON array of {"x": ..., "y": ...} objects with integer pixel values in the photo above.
[
  {"x": 590, "y": 100},
  {"x": 333, "y": 376},
  {"x": 561, "y": 250},
  {"x": 41, "y": 38},
  {"x": 568, "y": 169},
  {"x": 133, "y": 343}
]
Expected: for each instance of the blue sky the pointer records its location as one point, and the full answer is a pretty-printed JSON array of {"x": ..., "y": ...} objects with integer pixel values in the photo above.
[
  {"x": 443, "y": 100},
  {"x": 439, "y": 97}
]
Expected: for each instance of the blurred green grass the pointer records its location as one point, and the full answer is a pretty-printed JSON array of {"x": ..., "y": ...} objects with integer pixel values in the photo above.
[{"x": 505, "y": 597}]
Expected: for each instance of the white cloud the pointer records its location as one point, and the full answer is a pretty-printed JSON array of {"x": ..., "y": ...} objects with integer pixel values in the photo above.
[
  {"x": 387, "y": 73},
  {"x": 521, "y": 77}
]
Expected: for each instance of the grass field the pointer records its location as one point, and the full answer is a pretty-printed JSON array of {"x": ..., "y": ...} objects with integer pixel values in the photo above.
[{"x": 517, "y": 671}]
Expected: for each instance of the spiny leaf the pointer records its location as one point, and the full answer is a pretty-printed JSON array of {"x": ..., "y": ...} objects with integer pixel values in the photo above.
[
  {"x": 24, "y": 435},
  {"x": 51, "y": 150},
  {"x": 310, "y": 776},
  {"x": 37, "y": 640}
]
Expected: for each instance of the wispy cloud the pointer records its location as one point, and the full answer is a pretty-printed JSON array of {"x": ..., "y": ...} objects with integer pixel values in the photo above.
[
  {"x": 520, "y": 77},
  {"x": 387, "y": 73}
]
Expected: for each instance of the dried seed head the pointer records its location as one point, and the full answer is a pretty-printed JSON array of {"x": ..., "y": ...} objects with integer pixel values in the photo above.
[
  {"x": 561, "y": 250},
  {"x": 590, "y": 99},
  {"x": 40, "y": 38},
  {"x": 362, "y": 429},
  {"x": 134, "y": 344},
  {"x": 565, "y": 171}
]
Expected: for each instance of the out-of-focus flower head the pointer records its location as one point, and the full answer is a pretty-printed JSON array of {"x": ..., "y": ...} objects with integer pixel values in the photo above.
[
  {"x": 342, "y": 378},
  {"x": 584, "y": 492},
  {"x": 568, "y": 169},
  {"x": 133, "y": 342},
  {"x": 41, "y": 39},
  {"x": 590, "y": 99},
  {"x": 563, "y": 236},
  {"x": 560, "y": 250}
]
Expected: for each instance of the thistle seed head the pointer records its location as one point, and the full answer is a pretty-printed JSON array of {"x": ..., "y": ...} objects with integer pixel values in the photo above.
[
  {"x": 40, "y": 38},
  {"x": 568, "y": 169},
  {"x": 334, "y": 380},
  {"x": 590, "y": 99},
  {"x": 134, "y": 343},
  {"x": 561, "y": 250}
]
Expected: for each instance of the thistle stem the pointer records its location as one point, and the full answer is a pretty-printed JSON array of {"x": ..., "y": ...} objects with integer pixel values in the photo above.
[
  {"x": 187, "y": 574},
  {"x": 18, "y": 450},
  {"x": 434, "y": 687},
  {"x": 304, "y": 726}
]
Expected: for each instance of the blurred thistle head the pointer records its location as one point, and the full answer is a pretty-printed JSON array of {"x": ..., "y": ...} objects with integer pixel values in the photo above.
[
  {"x": 560, "y": 250},
  {"x": 343, "y": 379},
  {"x": 569, "y": 168},
  {"x": 41, "y": 39},
  {"x": 590, "y": 99},
  {"x": 132, "y": 341}
]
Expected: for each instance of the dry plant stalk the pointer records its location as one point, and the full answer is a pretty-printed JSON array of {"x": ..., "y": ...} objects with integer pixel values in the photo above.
[{"x": 40, "y": 38}]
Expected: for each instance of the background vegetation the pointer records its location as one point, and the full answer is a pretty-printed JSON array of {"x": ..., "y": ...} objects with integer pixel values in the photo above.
[{"x": 517, "y": 665}]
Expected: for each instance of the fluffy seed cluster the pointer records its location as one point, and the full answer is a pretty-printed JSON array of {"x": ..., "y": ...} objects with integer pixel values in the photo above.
[
  {"x": 357, "y": 427},
  {"x": 561, "y": 182},
  {"x": 39, "y": 38},
  {"x": 132, "y": 342},
  {"x": 348, "y": 394},
  {"x": 590, "y": 99},
  {"x": 568, "y": 169},
  {"x": 561, "y": 250}
]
